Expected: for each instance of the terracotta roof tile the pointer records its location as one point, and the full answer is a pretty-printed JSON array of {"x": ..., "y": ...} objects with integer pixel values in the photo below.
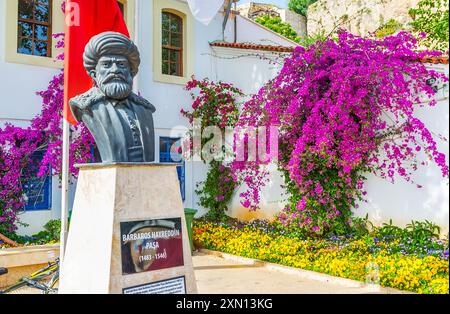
[
  {"x": 250, "y": 46},
  {"x": 440, "y": 60},
  {"x": 253, "y": 46}
]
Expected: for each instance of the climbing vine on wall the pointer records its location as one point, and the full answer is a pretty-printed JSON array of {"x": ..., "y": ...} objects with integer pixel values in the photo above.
[
  {"x": 214, "y": 104},
  {"x": 431, "y": 18}
]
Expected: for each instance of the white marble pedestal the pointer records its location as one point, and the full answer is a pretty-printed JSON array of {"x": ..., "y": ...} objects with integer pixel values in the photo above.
[{"x": 128, "y": 232}]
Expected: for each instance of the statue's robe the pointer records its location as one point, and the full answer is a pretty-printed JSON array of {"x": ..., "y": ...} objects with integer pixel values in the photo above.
[{"x": 101, "y": 117}]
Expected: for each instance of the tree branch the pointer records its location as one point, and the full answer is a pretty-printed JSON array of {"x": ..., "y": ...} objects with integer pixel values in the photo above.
[{"x": 8, "y": 241}]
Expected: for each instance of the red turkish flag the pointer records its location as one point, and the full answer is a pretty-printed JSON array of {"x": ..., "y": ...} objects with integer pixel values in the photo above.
[{"x": 85, "y": 19}]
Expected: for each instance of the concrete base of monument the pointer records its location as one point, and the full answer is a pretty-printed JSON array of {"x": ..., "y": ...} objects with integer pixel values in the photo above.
[{"x": 128, "y": 232}]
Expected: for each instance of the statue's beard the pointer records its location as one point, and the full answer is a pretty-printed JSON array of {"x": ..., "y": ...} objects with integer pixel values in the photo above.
[{"x": 117, "y": 89}]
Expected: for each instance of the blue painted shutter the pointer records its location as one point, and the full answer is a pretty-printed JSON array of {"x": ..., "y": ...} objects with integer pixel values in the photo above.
[
  {"x": 37, "y": 190},
  {"x": 165, "y": 144}
]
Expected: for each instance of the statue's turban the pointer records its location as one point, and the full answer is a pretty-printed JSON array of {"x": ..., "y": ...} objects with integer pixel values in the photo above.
[{"x": 111, "y": 43}]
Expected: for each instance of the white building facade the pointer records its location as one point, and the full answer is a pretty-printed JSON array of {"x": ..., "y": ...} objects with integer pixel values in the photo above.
[
  {"x": 238, "y": 56},
  {"x": 26, "y": 69}
]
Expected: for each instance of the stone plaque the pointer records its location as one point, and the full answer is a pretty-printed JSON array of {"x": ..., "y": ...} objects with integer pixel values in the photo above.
[
  {"x": 169, "y": 286},
  {"x": 127, "y": 234},
  {"x": 151, "y": 245}
]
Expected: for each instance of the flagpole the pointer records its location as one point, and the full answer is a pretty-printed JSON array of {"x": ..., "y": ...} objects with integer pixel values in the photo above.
[
  {"x": 137, "y": 19},
  {"x": 65, "y": 189}
]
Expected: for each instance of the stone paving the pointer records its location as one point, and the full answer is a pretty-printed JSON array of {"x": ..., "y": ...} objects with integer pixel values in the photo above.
[{"x": 218, "y": 273}]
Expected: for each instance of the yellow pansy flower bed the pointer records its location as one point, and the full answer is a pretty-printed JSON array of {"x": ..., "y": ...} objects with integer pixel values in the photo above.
[{"x": 427, "y": 274}]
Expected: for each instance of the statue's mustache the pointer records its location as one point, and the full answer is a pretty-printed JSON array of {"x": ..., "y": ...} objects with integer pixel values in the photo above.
[{"x": 115, "y": 76}]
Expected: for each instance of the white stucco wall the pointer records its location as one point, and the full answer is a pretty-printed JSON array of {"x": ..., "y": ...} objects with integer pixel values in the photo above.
[
  {"x": 250, "y": 31},
  {"x": 247, "y": 73},
  {"x": 244, "y": 69},
  {"x": 18, "y": 105},
  {"x": 37, "y": 219},
  {"x": 15, "y": 79},
  {"x": 19, "y": 82},
  {"x": 403, "y": 201}
]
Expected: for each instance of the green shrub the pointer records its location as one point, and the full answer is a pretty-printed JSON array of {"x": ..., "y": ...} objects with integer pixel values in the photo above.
[
  {"x": 50, "y": 234},
  {"x": 431, "y": 17},
  {"x": 275, "y": 24},
  {"x": 389, "y": 28},
  {"x": 300, "y": 6},
  {"x": 216, "y": 191}
]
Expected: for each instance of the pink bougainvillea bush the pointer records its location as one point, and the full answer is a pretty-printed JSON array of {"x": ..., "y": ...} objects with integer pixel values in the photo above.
[
  {"x": 18, "y": 144},
  {"x": 344, "y": 108}
]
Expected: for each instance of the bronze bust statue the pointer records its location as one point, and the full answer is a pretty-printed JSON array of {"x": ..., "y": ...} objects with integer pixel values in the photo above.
[{"x": 120, "y": 121}]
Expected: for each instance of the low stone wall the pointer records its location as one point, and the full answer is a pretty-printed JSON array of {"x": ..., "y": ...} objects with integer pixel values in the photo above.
[{"x": 21, "y": 262}]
